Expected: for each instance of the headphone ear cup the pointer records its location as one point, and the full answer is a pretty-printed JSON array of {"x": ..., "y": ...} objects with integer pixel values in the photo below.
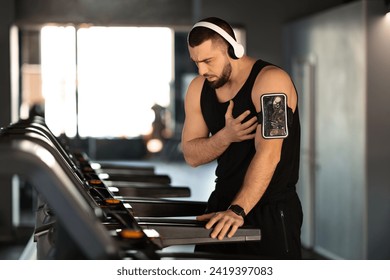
[
  {"x": 236, "y": 52},
  {"x": 231, "y": 52},
  {"x": 239, "y": 50}
]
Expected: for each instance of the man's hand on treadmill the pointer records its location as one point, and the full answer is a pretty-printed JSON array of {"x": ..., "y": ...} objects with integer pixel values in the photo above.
[{"x": 224, "y": 223}]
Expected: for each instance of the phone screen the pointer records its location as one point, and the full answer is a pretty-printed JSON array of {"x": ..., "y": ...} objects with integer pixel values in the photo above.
[{"x": 274, "y": 110}]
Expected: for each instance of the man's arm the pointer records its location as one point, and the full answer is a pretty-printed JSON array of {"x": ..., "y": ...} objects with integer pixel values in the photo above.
[
  {"x": 200, "y": 148},
  {"x": 264, "y": 162}
]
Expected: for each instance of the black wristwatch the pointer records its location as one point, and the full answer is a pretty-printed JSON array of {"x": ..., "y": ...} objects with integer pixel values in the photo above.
[{"x": 237, "y": 209}]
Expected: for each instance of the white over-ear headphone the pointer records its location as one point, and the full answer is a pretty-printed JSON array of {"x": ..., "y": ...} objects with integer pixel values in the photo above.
[{"x": 238, "y": 49}]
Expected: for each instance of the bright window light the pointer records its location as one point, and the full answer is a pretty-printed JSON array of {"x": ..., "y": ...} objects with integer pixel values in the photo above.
[
  {"x": 58, "y": 64},
  {"x": 121, "y": 73}
]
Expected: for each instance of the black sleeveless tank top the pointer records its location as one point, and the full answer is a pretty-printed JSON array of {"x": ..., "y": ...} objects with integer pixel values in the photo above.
[{"x": 234, "y": 162}]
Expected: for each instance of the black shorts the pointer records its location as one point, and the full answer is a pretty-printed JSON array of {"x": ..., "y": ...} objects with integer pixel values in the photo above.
[{"x": 280, "y": 223}]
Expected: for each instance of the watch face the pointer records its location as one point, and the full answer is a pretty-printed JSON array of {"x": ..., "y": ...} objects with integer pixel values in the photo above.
[{"x": 238, "y": 210}]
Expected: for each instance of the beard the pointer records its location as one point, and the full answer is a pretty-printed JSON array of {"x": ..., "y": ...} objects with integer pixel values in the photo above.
[{"x": 223, "y": 79}]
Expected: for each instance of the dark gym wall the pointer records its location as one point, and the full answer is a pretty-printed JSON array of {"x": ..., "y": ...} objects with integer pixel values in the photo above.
[
  {"x": 6, "y": 19},
  {"x": 118, "y": 12}
]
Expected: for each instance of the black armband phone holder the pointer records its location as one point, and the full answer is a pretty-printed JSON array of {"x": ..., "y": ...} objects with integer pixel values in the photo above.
[{"x": 275, "y": 116}]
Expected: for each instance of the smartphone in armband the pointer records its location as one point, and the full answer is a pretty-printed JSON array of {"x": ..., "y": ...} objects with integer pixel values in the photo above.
[{"x": 274, "y": 115}]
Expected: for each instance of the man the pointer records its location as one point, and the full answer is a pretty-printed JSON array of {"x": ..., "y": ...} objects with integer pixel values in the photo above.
[{"x": 256, "y": 175}]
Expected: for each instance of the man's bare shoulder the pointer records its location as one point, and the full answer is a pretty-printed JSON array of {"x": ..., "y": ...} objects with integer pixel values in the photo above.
[
  {"x": 192, "y": 97},
  {"x": 271, "y": 74},
  {"x": 272, "y": 79},
  {"x": 196, "y": 84}
]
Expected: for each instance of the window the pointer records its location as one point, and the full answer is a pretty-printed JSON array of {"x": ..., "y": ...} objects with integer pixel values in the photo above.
[
  {"x": 58, "y": 66},
  {"x": 112, "y": 75}
]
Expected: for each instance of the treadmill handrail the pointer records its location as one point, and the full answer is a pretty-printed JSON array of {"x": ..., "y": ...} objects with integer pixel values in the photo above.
[{"x": 32, "y": 161}]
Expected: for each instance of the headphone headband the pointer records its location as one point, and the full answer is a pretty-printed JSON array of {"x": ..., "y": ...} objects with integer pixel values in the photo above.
[{"x": 238, "y": 48}]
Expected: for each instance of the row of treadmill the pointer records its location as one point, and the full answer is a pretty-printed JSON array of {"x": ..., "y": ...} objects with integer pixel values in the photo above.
[{"x": 90, "y": 210}]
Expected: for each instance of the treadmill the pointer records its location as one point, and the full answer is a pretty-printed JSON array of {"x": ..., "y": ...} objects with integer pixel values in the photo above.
[{"x": 101, "y": 227}]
